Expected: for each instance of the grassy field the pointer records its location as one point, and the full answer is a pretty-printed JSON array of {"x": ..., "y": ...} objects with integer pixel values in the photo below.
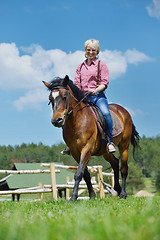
[{"x": 133, "y": 219}]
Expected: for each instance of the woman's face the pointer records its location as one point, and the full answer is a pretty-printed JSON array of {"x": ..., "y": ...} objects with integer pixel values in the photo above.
[{"x": 91, "y": 53}]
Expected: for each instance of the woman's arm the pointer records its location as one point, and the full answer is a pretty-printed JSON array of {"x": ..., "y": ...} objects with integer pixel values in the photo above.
[{"x": 100, "y": 88}]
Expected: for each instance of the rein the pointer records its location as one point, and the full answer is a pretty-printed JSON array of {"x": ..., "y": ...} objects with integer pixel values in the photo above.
[{"x": 86, "y": 95}]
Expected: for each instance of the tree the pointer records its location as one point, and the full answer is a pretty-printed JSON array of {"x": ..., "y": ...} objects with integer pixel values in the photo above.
[
  {"x": 135, "y": 179},
  {"x": 157, "y": 184}
]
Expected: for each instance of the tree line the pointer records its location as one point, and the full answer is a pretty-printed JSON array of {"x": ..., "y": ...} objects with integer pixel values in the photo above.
[{"x": 145, "y": 166}]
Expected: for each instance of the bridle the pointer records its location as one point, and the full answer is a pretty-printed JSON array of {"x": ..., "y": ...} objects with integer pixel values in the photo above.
[{"x": 69, "y": 95}]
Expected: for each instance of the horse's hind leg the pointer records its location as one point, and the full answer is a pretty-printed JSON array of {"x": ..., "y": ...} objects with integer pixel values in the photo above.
[
  {"x": 124, "y": 172},
  {"x": 87, "y": 179},
  {"x": 115, "y": 166}
]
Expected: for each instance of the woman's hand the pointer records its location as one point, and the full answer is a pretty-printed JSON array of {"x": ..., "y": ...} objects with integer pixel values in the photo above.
[
  {"x": 100, "y": 88},
  {"x": 93, "y": 91}
]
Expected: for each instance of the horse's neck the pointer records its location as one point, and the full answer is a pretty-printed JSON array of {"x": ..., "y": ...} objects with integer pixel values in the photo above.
[
  {"x": 75, "y": 107},
  {"x": 74, "y": 123},
  {"x": 75, "y": 103}
]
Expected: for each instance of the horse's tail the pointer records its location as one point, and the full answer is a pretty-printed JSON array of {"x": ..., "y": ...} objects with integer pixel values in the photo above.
[{"x": 134, "y": 139}]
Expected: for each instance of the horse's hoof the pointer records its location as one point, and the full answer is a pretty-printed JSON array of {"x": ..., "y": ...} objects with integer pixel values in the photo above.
[
  {"x": 123, "y": 195},
  {"x": 92, "y": 196},
  {"x": 73, "y": 199},
  {"x": 118, "y": 190}
]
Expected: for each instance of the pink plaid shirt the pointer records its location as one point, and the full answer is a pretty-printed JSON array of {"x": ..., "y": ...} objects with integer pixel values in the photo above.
[{"x": 86, "y": 77}]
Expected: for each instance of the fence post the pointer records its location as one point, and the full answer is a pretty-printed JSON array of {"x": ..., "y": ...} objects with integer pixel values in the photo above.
[
  {"x": 67, "y": 189},
  {"x": 112, "y": 180},
  {"x": 53, "y": 181},
  {"x": 100, "y": 182},
  {"x": 41, "y": 186}
]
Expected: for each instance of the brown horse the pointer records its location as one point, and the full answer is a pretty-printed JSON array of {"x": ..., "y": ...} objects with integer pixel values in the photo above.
[{"x": 82, "y": 136}]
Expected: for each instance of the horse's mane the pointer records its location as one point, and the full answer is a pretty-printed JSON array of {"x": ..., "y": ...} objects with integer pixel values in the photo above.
[{"x": 58, "y": 82}]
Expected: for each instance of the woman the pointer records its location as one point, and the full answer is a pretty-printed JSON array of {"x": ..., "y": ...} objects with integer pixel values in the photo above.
[{"x": 93, "y": 76}]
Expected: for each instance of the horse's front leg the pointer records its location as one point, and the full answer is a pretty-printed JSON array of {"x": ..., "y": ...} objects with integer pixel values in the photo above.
[
  {"x": 85, "y": 156},
  {"x": 77, "y": 177}
]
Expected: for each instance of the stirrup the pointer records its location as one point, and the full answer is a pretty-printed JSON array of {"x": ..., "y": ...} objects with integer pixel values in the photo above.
[
  {"x": 111, "y": 148},
  {"x": 66, "y": 151}
]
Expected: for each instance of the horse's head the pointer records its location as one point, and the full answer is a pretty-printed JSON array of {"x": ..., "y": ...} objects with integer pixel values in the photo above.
[{"x": 59, "y": 98}]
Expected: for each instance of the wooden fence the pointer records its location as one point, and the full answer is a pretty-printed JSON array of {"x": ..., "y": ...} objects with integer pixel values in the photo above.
[{"x": 101, "y": 187}]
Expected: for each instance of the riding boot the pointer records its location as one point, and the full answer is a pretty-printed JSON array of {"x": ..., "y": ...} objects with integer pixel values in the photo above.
[{"x": 66, "y": 151}]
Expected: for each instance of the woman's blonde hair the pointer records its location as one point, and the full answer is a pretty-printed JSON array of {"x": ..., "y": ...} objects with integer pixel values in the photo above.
[{"x": 92, "y": 43}]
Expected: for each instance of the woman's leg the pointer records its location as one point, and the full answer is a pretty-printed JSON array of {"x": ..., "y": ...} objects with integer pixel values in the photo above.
[
  {"x": 102, "y": 103},
  {"x": 103, "y": 106}
]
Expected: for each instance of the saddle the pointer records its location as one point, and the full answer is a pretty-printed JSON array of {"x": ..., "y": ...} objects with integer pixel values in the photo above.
[{"x": 117, "y": 125}]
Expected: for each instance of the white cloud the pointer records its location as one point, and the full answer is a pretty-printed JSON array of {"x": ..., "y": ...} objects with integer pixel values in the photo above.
[
  {"x": 65, "y": 63},
  {"x": 115, "y": 61},
  {"x": 17, "y": 72},
  {"x": 32, "y": 99},
  {"x": 154, "y": 9},
  {"x": 25, "y": 68},
  {"x": 135, "y": 57},
  {"x": 136, "y": 112}
]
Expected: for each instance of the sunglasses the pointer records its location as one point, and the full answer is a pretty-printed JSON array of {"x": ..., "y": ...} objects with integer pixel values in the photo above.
[{"x": 89, "y": 50}]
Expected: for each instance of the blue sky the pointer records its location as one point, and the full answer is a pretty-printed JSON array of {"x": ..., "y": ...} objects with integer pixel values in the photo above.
[{"x": 41, "y": 39}]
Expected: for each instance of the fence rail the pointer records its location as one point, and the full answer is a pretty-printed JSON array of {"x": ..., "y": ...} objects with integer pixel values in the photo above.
[
  {"x": 27, "y": 171},
  {"x": 53, "y": 188}
]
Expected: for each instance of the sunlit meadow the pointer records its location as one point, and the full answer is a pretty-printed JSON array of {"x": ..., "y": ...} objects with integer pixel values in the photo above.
[{"x": 133, "y": 218}]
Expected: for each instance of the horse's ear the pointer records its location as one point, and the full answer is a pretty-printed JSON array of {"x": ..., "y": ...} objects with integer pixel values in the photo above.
[
  {"x": 46, "y": 84},
  {"x": 66, "y": 80}
]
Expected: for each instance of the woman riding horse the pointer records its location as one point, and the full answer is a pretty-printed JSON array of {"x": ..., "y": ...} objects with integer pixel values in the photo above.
[{"x": 93, "y": 76}]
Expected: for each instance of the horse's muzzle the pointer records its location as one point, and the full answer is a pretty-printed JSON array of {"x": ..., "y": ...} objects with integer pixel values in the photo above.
[{"x": 58, "y": 122}]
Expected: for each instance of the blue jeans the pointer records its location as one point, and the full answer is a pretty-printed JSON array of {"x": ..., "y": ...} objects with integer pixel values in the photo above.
[{"x": 101, "y": 101}]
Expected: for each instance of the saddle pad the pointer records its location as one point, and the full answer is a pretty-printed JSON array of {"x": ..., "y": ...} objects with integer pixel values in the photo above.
[{"x": 117, "y": 125}]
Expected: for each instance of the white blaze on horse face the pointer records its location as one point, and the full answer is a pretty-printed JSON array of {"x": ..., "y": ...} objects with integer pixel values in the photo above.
[{"x": 55, "y": 94}]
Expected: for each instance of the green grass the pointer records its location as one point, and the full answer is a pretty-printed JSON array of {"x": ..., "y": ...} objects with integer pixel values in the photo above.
[{"x": 133, "y": 218}]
